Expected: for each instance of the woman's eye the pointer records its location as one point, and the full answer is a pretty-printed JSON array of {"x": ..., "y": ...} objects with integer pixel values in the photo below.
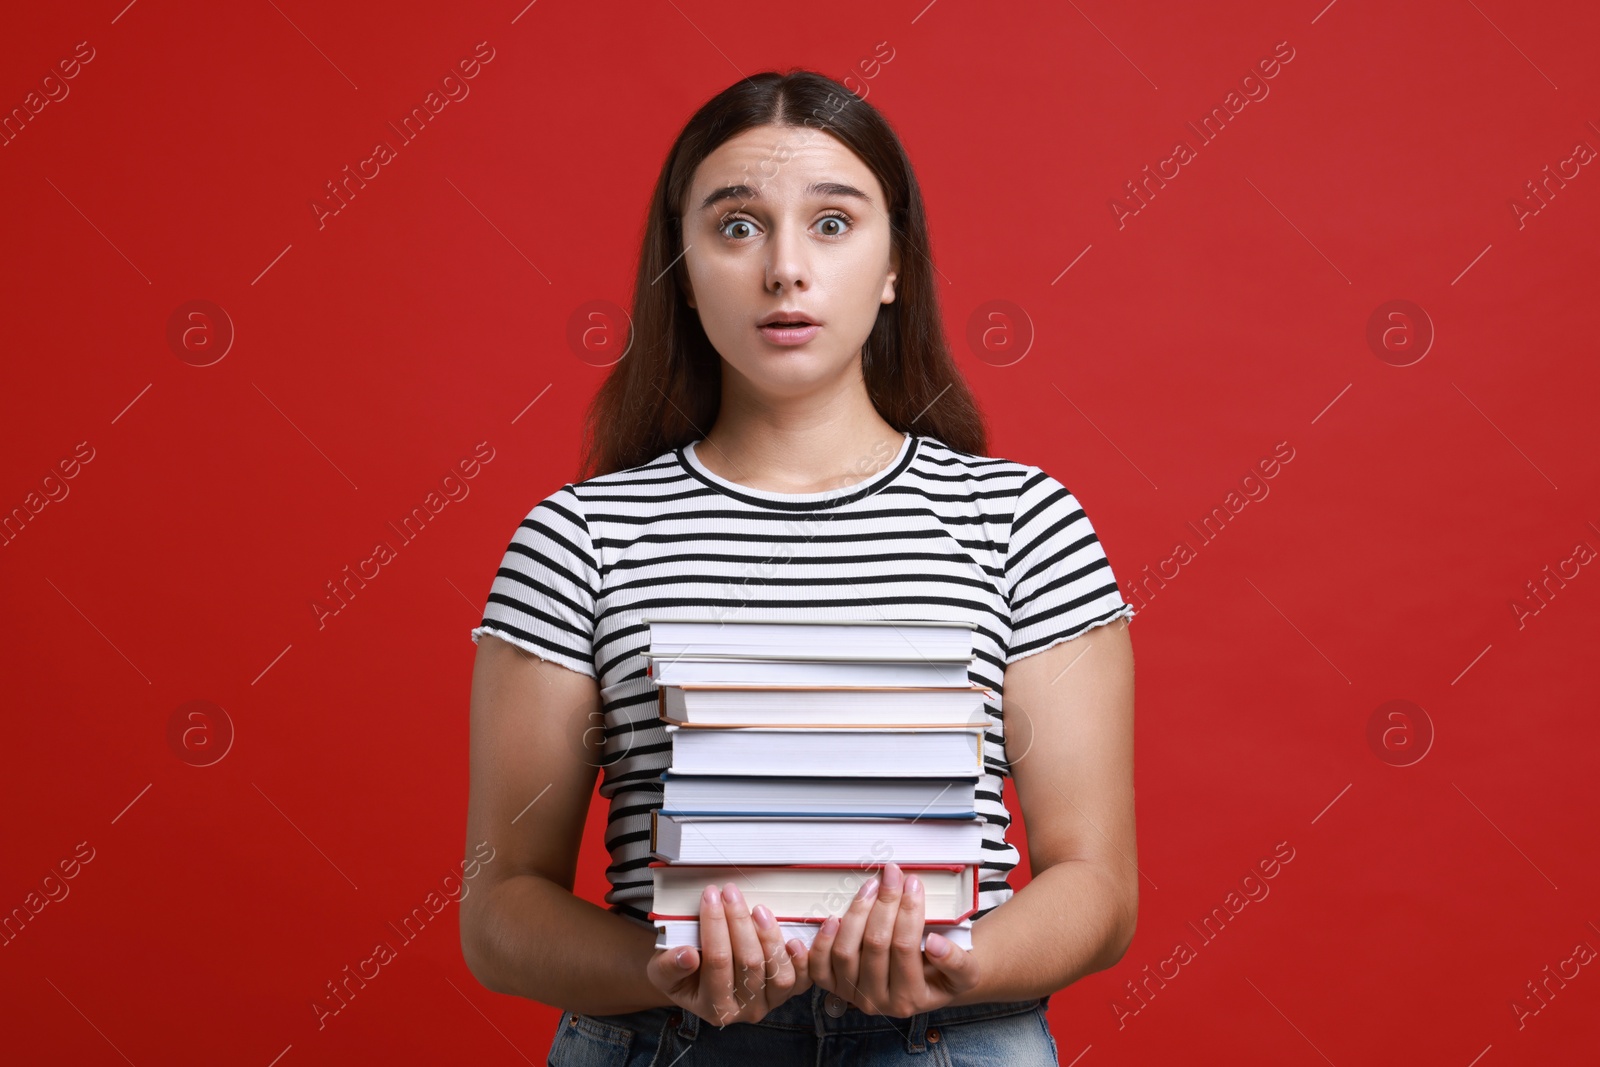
[{"x": 831, "y": 226}]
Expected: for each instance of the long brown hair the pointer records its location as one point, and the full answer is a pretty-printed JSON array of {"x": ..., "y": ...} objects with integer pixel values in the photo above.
[{"x": 666, "y": 391}]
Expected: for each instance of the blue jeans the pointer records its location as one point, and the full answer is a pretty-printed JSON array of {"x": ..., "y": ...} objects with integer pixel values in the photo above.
[{"x": 814, "y": 1030}]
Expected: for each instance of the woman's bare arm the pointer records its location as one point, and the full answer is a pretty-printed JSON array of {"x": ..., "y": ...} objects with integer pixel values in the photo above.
[
  {"x": 523, "y": 932},
  {"x": 1069, "y": 737}
]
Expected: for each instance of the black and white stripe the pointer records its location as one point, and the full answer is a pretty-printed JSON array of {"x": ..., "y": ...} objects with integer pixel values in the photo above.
[{"x": 936, "y": 534}]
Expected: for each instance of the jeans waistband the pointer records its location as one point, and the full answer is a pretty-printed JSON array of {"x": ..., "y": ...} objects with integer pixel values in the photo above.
[{"x": 807, "y": 1012}]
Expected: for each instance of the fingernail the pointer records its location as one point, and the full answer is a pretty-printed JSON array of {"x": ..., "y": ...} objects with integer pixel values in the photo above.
[
  {"x": 682, "y": 957},
  {"x": 913, "y": 885},
  {"x": 830, "y": 925},
  {"x": 938, "y": 946},
  {"x": 733, "y": 896},
  {"x": 866, "y": 891},
  {"x": 763, "y": 917},
  {"x": 892, "y": 877},
  {"x": 712, "y": 896}
]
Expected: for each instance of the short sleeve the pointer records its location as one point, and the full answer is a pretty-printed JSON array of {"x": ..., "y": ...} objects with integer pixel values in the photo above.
[
  {"x": 1058, "y": 580},
  {"x": 543, "y": 596}
]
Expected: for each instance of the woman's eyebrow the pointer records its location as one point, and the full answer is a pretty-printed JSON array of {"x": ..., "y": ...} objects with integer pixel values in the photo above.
[{"x": 746, "y": 193}]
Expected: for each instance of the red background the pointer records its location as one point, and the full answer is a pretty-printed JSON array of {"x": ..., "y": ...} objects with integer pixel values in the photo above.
[{"x": 374, "y": 352}]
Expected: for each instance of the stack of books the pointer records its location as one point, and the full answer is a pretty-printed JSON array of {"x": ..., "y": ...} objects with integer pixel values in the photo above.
[{"x": 805, "y": 756}]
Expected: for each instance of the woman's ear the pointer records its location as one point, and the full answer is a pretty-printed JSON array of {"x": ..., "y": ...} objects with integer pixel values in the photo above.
[{"x": 889, "y": 280}]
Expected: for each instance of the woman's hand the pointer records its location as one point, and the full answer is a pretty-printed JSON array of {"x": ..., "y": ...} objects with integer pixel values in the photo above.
[
  {"x": 742, "y": 969},
  {"x": 873, "y": 957}
]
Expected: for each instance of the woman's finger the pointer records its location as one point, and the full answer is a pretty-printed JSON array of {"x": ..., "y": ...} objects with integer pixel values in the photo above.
[
  {"x": 847, "y": 945},
  {"x": 952, "y": 967},
  {"x": 905, "y": 957},
  {"x": 716, "y": 957},
  {"x": 877, "y": 940},
  {"x": 800, "y": 960},
  {"x": 778, "y": 976},
  {"x": 668, "y": 974},
  {"x": 749, "y": 961},
  {"x": 819, "y": 958}
]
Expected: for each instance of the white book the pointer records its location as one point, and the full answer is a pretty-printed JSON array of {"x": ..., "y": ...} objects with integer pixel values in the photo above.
[
  {"x": 675, "y": 933},
  {"x": 709, "y": 794},
  {"x": 837, "y": 706},
  {"x": 942, "y": 752},
  {"x": 810, "y": 892},
  {"x": 912, "y": 639},
  {"x": 727, "y": 839}
]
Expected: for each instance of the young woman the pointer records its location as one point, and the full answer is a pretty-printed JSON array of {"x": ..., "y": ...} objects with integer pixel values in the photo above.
[{"x": 789, "y": 437}]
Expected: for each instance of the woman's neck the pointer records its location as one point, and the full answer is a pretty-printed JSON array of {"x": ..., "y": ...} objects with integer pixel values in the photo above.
[{"x": 793, "y": 456}]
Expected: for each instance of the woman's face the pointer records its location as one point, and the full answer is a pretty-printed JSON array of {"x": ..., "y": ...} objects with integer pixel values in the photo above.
[{"x": 796, "y": 223}]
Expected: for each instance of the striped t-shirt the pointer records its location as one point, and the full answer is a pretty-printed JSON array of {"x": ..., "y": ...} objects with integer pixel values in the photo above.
[{"x": 935, "y": 534}]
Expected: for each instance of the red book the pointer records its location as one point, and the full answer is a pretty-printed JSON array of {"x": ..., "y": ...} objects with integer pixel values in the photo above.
[{"x": 810, "y": 892}]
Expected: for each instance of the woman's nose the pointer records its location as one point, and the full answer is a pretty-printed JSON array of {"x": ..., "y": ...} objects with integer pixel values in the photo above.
[{"x": 787, "y": 265}]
